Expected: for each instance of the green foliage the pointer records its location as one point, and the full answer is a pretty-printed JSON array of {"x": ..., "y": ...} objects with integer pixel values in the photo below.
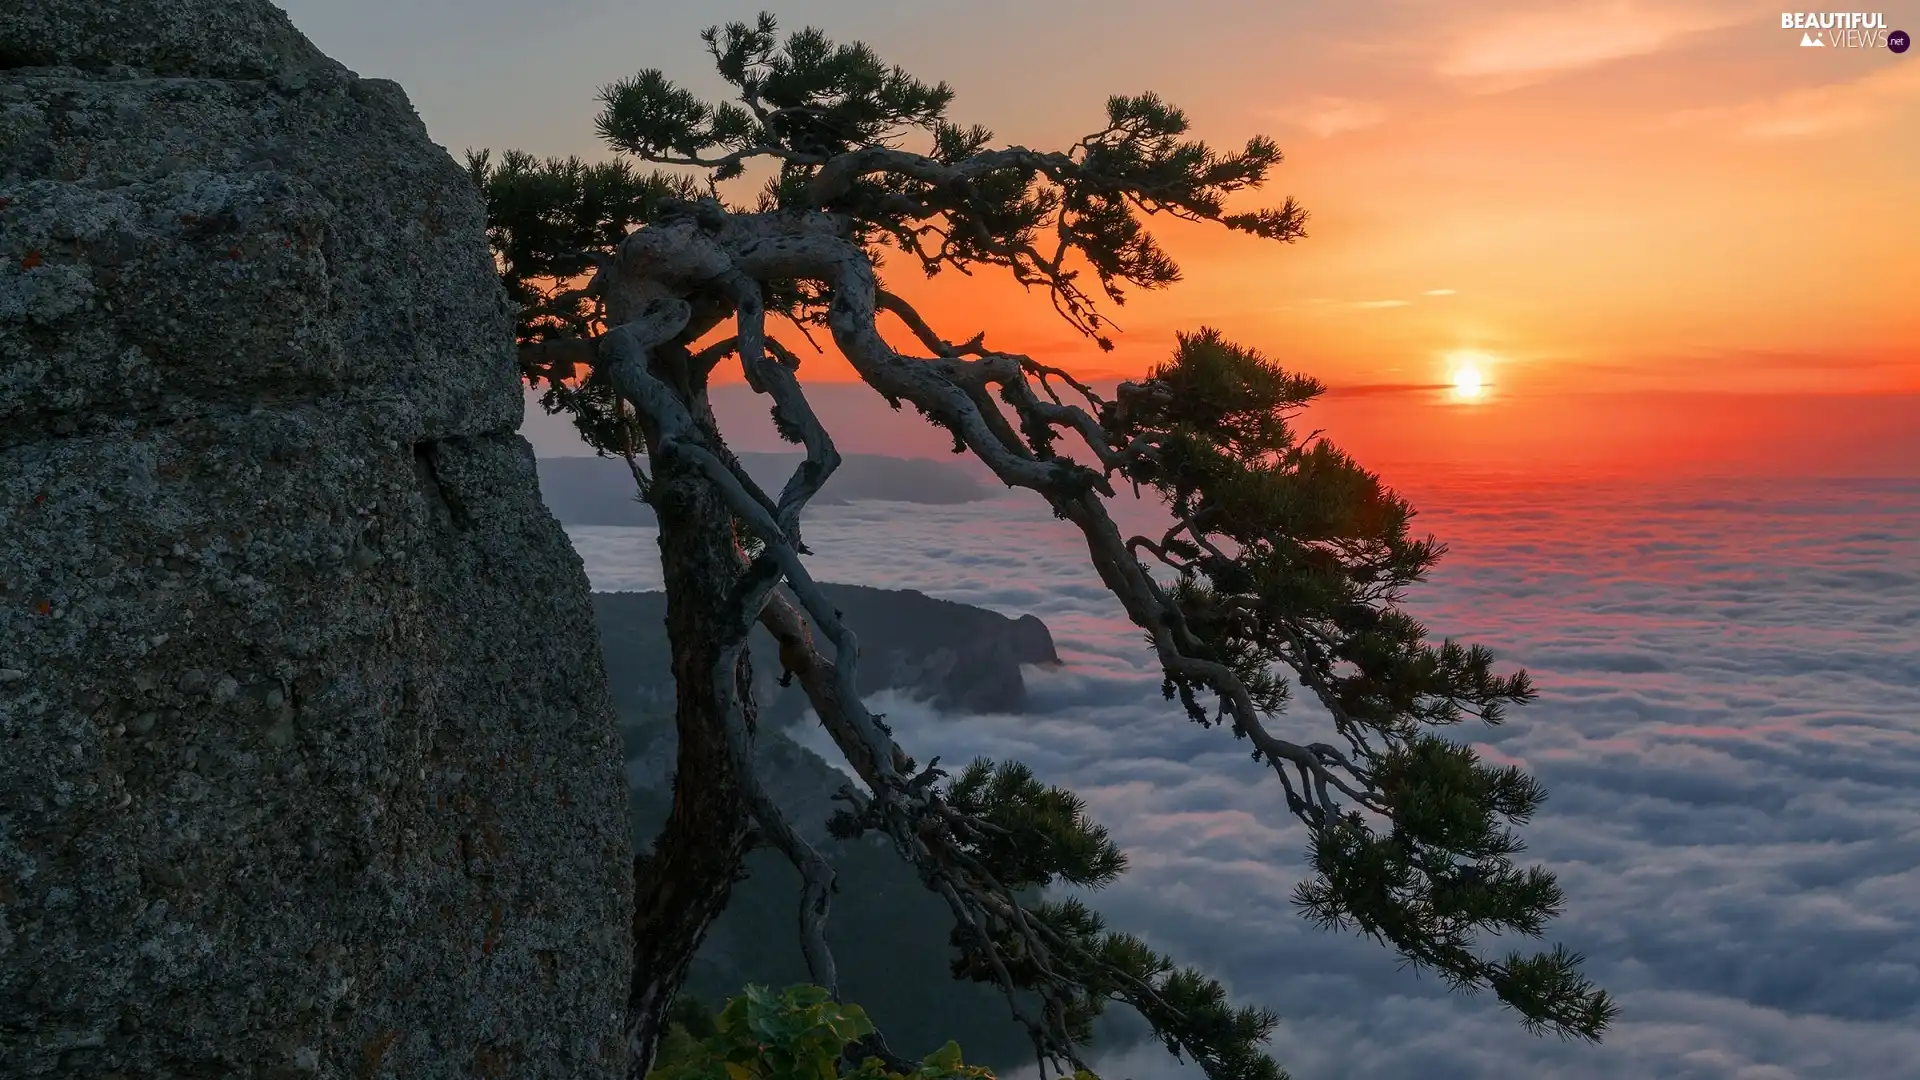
[
  {"x": 694, "y": 1017},
  {"x": 807, "y": 93},
  {"x": 801, "y": 1033},
  {"x": 549, "y": 222},
  {"x": 1030, "y": 836},
  {"x": 1038, "y": 835},
  {"x": 832, "y": 117},
  {"x": 1290, "y": 555},
  {"x": 1188, "y": 1010},
  {"x": 805, "y": 104}
]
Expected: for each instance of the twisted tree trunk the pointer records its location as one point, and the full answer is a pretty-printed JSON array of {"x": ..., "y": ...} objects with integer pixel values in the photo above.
[{"x": 684, "y": 883}]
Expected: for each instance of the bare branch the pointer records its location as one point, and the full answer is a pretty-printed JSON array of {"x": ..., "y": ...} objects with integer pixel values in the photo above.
[
  {"x": 792, "y": 415},
  {"x": 887, "y": 301},
  {"x": 805, "y": 249}
]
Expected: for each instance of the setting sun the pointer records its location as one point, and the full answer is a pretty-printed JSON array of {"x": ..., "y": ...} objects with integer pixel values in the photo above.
[{"x": 1467, "y": 375}]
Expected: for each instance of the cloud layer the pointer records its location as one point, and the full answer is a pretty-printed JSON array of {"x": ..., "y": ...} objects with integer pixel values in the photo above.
[
  {"x": 1805, "y": 111},
  {"x": 1327, "y": 116},
  {"x": 1731, "y": 681},
  {"x": 1515, "y": 48}
]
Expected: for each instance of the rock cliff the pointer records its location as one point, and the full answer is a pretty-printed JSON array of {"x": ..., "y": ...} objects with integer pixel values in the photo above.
[{"x": 307, "y": 762}]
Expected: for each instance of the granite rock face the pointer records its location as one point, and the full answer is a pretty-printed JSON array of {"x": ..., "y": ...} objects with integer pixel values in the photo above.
[
  {"x": 239, "y": 39},
  {"x": 307, "y": 763}
]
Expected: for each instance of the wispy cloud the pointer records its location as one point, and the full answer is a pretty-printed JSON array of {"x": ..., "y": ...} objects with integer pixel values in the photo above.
[
  {"x": 1524, "y": 47},
  {"x": 1326, "y": 116},
  {"x": 1380, "y": 303},
  {"x": 1383, "y": 389},
  {"x": 1813, "y": 110},
  {"x": 1441, "y": 292}
]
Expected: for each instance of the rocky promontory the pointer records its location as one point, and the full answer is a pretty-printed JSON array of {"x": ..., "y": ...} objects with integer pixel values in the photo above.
[
  {"x": 303, "y": 769},
  {"x": 958, "y": 657}
]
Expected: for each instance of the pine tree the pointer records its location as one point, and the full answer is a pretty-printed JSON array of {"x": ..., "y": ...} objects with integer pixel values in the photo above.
[{"x": 1285, "y": 563}]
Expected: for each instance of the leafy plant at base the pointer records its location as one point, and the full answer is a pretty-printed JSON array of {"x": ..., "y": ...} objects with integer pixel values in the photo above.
[{"x": 800, "y": 1033}]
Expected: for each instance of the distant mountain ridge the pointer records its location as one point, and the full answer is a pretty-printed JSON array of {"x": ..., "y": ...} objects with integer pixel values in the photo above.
[
  {"x": 958, "y": 657},
  {"x": 600, "y": 491}
]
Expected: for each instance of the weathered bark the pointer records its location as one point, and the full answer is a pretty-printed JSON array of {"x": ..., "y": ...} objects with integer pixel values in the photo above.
[{"x": 684, "y": 884}]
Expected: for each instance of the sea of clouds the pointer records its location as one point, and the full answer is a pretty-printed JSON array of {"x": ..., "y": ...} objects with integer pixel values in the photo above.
[{"x": 1729, "y": 726}]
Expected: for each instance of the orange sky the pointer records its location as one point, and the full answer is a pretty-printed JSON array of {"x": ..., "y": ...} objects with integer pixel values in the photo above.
[
  {"x": 1591, "y": 197},
  {"x": 1604, "y": 198}
]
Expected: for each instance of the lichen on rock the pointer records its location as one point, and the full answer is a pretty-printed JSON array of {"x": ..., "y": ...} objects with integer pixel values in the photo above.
[{"x": 309, "y": 765}]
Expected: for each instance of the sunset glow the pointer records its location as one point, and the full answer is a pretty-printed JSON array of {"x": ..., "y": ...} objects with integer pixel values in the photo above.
[
  {"x": 1468, "y": 376},
  {"x": 1612, "y": 197}
]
